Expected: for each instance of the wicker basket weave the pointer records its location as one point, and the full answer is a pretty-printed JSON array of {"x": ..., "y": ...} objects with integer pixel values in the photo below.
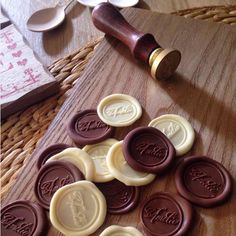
[{"x": 21, "y": 132}]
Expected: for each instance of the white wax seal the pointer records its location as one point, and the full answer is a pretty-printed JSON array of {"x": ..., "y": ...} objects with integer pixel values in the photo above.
[
  {"x": 115, "y": 230},
  {"x": 177, "y": 129},
  {"x": 120, "y": 169}
]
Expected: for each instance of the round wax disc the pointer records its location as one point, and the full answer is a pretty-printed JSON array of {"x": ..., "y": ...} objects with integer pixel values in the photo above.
[
  {"x": 120, "y": 198},
  {"x": 119, "y": 110},
  {"x": 147, "y": 149},
  {"x": 203, "y": 181},
  {"x": 177, "y": 129},
  {"x": 166, "y": 214},
  {"x": 49, "y": 152},
  {"x": 23, "y": 218},
  {"x": 119, "y": 230},
  {"x": 53, "y": 176},
  {"x": 79, "y": 158},
  {"x": 78, "y": 209},
  {"x": 98, "y": 153},
  {"x": 120, "y": 169},
  {"x": 85, "y": 127}
]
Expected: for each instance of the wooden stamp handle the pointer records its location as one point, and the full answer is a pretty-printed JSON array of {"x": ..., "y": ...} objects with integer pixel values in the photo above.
[{"x": 109, "y": 20}]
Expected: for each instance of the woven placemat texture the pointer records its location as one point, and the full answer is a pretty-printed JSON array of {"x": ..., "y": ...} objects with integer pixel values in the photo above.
[{"x": 21, "y": 133}]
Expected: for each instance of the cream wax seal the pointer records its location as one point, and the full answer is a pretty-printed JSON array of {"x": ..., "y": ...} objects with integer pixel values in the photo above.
[
  {"x": 120, "y": 169},
  {"x": 78, "y": 209},
  {"x": 177, "y": 129},
  {"x": 98, "y": 153},
  {"x": 119, "y": 110},
  {"x": 115, "y": 230}
]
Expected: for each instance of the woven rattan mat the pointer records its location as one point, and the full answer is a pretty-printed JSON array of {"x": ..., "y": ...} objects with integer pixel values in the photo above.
[{"x": 21, "y": 133}]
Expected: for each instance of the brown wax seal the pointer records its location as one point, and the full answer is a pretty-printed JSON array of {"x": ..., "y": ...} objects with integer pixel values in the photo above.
[
  {"x": 85, "y": 127},
  {"x": 166, "y": 214},
  {"x": 203, "y": 181},
  {"x": 49, "y": 152},
  {"x": 147, "y": 149},
  {"x": 23, "y": 218},
  {"x": 53, "y": 176},
  {"x": 119, "y": 197}
]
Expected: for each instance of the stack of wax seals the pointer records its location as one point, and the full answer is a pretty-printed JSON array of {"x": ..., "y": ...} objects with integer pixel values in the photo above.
[{"x": 79, "y": 186}]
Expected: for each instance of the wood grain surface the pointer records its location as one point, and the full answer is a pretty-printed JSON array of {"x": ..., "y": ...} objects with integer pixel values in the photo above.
[
  {"x": 203, "y": 91},
  {"x": 78, "y": 29}
]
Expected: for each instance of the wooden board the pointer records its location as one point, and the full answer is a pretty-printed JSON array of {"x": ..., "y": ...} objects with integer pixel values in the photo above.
[{"x": 203, "y": 91}]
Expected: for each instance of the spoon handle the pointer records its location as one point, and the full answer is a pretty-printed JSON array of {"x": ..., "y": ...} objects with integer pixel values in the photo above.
[
  {"x": 109, "y": 20},
  {"x": 67, "y": 5}
]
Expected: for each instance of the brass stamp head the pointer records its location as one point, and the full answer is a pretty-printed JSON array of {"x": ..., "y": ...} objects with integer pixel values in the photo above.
[{"x": 164, "y": 62}]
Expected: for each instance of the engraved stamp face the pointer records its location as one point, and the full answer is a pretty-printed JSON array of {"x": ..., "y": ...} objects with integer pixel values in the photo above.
[
  {"x": 162, "y": 214},
  {"x": 119, "y": 110},
  {"x": 177, "y": 129},
  {"x": 204, "y": 180}
]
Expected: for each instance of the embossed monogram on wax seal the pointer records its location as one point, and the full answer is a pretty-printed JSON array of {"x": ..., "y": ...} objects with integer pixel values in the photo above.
[
  {"x": 78, "y": 208},
  {"x": 152, "y": 149},
  {"x": 17, "y": 224},
  {"x": 171, "y": 130},
  {"x": 90, "y": 125},
  {"x": 49, "y": 187},
  {"x": 206, "y": 180},
  {"x": 118, "y": 110},
  {"x": 162, "y": 215}
]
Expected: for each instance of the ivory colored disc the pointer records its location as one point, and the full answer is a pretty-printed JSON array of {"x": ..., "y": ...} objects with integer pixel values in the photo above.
[
  {"x": 120, "y": 169},
  {"x": 124, "y": 3},
  {"x": 116, "y": 230},
  {"x": 98, "y": 153},
  {"x": 78, "y": 209},
  {"x": 177, "y": 129},
  {"x": 119, "y": 110},
  {"x": 79, "y": 158},
  {"x": 90, "y": 3}
]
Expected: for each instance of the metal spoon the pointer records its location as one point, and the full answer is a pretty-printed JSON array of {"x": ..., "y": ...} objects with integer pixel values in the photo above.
[{"x": 48, "y": 18}]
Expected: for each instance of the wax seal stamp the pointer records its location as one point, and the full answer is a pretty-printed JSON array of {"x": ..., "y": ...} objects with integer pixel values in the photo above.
[
  {"x": 78, "y": 209},
  {"x": 49, "y": 152},
  {"x": 119, "y": 230},
  {"x": 147, "y": 149},
  {"x": 85, "y": 127},
  {"x": 166, "y": 214},
  {"x": 203, "y": 181},
  {"x": 120, "y": 169},
  {"x": 144, "y": 47},
  {"x": 53, "y": 176},
  {"x": 120, "y": 198},
  {"x": 98, "y": 153},
  {"x": 177, "y": 129},
  {"x": 23, "y": 218},
  {"x": 119, "y": 110}
]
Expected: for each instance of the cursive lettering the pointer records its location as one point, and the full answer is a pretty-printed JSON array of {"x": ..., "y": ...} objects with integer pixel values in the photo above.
[
  {"x": 51, "y": 186},
  {"x": 152, "y": 149},
  {"x": 205, "y": 180},
  {"x": 16, "y": 224},
  {"x": 90, "y": 125},
  {"x": 161, "y": 215},
  {"x": 78, "y": 208},
  {"x": 171, "y": 130},
  {"x": 119, "y": 110}
]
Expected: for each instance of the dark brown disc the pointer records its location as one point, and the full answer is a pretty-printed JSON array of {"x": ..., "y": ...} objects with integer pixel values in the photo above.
[
  {"x": 85, "y": 127},
  {"x": 147, "y": 149},
  {"x": 23, "y": 218},
  {"x": 119, "y": 197},
  {"x": 166, "y": 214},
  {"x": 53, "y": 176},
  {"x": 49, "y": 152},
  {"x": 203, "y": 181}
]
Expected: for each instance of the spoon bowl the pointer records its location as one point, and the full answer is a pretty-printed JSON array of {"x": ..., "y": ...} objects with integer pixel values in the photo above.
[{"x": 46, "y": 19}]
